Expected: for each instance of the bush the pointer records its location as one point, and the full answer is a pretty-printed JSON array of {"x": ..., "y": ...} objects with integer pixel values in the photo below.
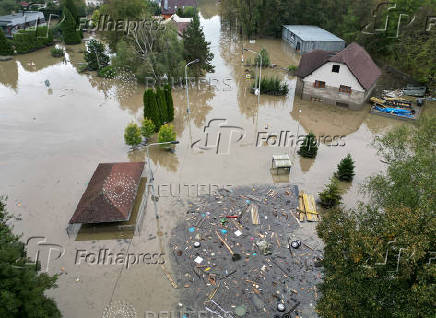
[
  {"x": 26, "y": 41},
  {"x": 292, "y": 68},
  {"x": 5, "y": 45},
  {"x": 147, "y": 128},
  {"x": 345, "y": 169},
  {"x": 167, "y": 133},
  {"x": 186, "y": 12},
  {"x": 132, "y": 135},
  {"x": 272, "y": 86},
  {"x": 107, "y": 72},
  {"x": 309, "y": 147},
  {"x": 95, "y": 56},
  {"x": 265, "y": 58},
  {"x": 57, "y": 52},
  {"x": 330, "y": 197}
]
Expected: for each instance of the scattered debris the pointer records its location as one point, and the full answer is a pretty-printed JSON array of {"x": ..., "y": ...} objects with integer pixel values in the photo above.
[{"x": 252, "y": 268}]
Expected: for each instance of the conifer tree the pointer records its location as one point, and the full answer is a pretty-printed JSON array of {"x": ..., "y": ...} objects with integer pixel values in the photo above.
[
  {"x": 345, "y": 169},
  {"x": 150, "y": 108},
  {"x": 330, "y": 196},
  {"x": 5, "y": 46},
  {"x": 170, "y": 103},
  {"x": 22, "y": 287},
  {"x": 196, "y": 47},
  {"x": 309, "y": 147},
  {"x": 68, "y": 27},
  {"x": 162, "y": 105}
]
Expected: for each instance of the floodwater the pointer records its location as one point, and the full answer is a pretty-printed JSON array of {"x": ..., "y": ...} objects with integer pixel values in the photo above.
[{"x": 53, "y": 137}]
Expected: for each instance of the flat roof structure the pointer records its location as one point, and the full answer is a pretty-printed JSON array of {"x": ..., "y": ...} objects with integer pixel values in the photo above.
[
  {"x": 312, "y": 33},
  {"x": 110, "y": 195},
  {"x": 21, "y": 18}
]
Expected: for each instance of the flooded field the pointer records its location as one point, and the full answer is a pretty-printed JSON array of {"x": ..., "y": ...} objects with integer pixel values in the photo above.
[{"x": 52, "y": 138}]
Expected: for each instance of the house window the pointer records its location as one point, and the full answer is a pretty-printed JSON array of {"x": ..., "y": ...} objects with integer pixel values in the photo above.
[
  {"x": 319, "y": 84},
  {"x": 335, "y": 68},
  {"x": 345, "y": 89}
]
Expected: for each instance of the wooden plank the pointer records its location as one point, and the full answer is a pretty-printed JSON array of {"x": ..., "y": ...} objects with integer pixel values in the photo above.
[
  {"x": 301, "y": 208},
  {"x": 255, "y": 214},
  {"x": 309, "y": 203}
]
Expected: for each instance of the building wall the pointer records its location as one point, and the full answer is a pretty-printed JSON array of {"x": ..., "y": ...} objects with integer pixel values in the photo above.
[
  {"x": 344, "y": 77},
  {"x": 330, "y": 94}
]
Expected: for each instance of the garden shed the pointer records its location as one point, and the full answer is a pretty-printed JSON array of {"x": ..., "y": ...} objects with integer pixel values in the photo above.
[{"x": 307, "y": 38}]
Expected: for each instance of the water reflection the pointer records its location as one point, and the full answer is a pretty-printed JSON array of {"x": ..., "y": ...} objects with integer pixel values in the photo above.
[{"x": 160, "y": 157}]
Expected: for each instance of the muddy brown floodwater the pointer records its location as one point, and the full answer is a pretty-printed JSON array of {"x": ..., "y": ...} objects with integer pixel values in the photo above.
[{"x": 53, "y": 137}]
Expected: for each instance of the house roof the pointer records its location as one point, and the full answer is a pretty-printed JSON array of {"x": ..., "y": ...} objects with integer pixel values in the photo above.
[
  {"x": 110, "y": 194},
  {"x": 20, "y": 18},
  {"x": 360, "y": 64},
  {"x": 354, "y": 56},
  {"x": 312, "y": 33},
  {"x": 170, "y": 6},
  {"x": 311, "y": 61}
]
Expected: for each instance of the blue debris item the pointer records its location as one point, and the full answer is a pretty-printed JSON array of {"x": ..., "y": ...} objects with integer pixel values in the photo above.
[
  {"x": 203, "y": 214},
  {"x": 247, "y": 201},
  {"x": 223, "y": 231},
  {"x": 191, "y": 229}
]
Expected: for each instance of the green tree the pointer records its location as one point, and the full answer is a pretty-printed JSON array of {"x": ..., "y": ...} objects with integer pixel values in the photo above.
[
  {"x": 309, "y": 147},
  {"x": 345, "y": 170},
  {"x": 132, "y": 135},
  {"x": 162, "y": 105},
  {"x": 7, "y": 6},
  {"x": 330, "y": 197},
  {"x": 68, "y": 27},
  {"x": 151, "y": 108},
  {"x": 166, "y": 133},
  {"x": 119, "y": 10},
  {"x": 170, "y": 103},
  {"x": 71, "y": 6},
  {"x": 363, "y": 273},
  {"x": 5, "y": 46},
  {"x": 196, "y": 47},
  {"x": 95, "y": 55},
  {"x": 147, "y": 128},
  {"x": 21, "y": 286}
]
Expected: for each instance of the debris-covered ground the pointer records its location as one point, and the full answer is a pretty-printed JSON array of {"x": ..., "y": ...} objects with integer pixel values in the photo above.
[{"x": 239, "y": 254}]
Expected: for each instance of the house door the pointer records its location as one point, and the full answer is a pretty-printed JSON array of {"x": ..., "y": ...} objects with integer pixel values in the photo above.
[{"x": 298, "y": 46}]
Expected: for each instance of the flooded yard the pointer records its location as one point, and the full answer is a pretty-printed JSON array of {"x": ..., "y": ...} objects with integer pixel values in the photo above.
[{"x": 52, "y": 138}]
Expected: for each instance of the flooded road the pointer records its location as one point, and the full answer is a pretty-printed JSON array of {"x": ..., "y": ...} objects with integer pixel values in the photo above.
[{"x": 53, "y": 137}]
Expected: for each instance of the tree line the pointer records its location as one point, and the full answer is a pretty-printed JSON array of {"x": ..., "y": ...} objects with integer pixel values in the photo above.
[{"x": 411, "y": 52}]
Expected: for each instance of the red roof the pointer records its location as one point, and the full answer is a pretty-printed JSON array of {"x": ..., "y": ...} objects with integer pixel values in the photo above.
[
  {"x": 354, "y": 56},
  {"x": 110, "y": 194}
]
